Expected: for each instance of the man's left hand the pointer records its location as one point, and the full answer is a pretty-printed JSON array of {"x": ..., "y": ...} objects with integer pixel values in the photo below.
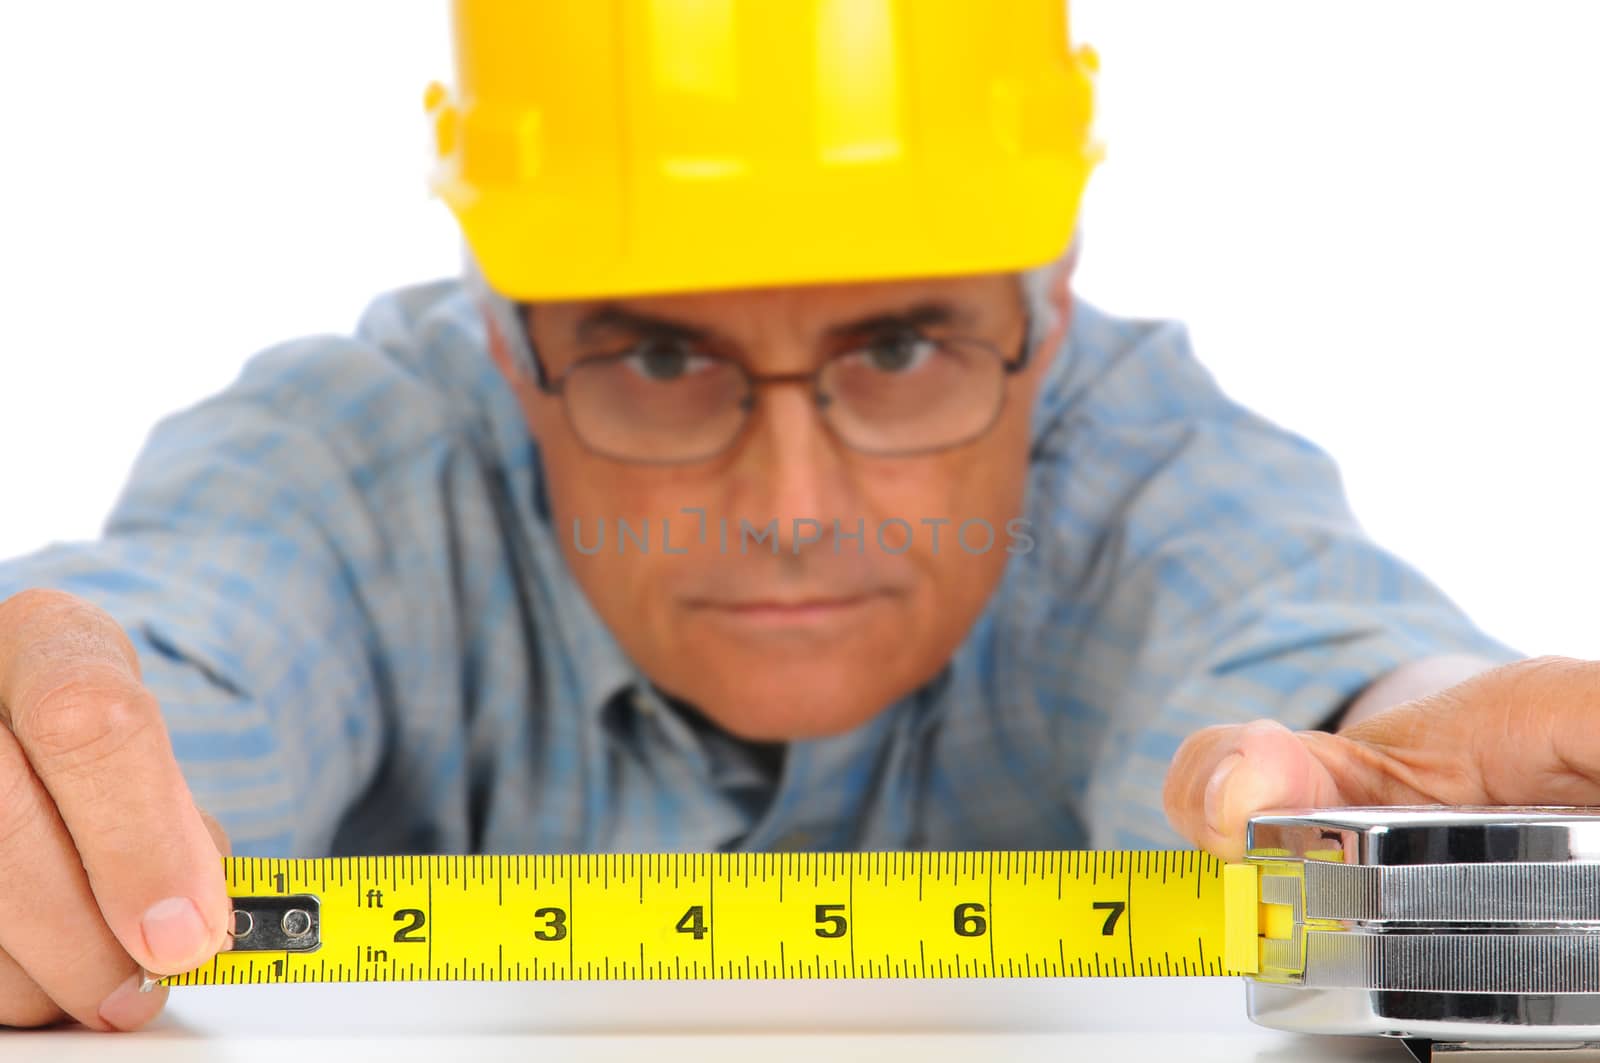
[{"x": 1526, "y": 733}]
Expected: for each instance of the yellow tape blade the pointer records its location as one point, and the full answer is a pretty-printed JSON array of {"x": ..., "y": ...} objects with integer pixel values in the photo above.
[
  {"x": 1241, "y": 892},
  {"x": 749, "y": 915}
]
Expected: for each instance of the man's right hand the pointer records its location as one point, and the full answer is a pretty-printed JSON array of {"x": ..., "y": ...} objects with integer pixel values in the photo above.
[{"x": 106, "y": 865}]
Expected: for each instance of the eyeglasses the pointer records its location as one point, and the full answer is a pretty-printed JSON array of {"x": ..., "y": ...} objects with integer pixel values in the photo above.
[{"x": 663, "y": 402}]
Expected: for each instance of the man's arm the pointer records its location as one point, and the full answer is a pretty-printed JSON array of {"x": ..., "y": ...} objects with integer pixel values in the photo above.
[
  {"x": 1412, "y": 680},
  {"x": 237, "y": 561},
  {"x": 1212, "y": 572}
]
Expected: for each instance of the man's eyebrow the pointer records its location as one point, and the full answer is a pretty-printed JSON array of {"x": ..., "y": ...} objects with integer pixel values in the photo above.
[
  {"x": 919, "y": 315},
  {"x": 612, "y": 316}
]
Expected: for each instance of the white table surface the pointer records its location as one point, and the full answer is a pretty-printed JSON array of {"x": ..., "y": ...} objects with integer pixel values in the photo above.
[{"x": 1062, "y": 1021}]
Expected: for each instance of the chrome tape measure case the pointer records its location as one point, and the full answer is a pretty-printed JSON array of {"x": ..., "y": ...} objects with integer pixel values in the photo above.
[{"x": 1447, "y": 924}]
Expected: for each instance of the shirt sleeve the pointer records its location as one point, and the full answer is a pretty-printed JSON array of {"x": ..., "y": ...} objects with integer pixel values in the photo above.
[
  {"x": 1211, "y": 568},
  {"x": 240, "y": 559}
]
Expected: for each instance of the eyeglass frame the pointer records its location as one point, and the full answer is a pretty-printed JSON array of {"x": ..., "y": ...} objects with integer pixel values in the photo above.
[{"x": 556, "y": 387}]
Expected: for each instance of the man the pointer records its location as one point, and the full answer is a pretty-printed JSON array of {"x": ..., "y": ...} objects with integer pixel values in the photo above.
[{"x": 764, "y": 486}]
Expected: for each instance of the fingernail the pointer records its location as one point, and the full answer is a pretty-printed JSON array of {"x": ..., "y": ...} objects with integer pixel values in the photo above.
[
  {"x": 127, "y": 1008},
  {"x": 174, "y": 933},
  {"x": 1215, "y": 809}
]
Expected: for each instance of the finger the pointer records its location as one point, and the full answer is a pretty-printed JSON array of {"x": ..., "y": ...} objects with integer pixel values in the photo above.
[
  {"x": 71, "y": 630},
  {"x": 96, "y": 741},
  {"x": 219, "y": 836},
  {"x": 1223, "y": 776},
  {"x": 50, "y": 924},
  {"x": 1520, "y": 734},
  {"x": 22, "y": 1002},
  {"x": 1517, "y": 734}
]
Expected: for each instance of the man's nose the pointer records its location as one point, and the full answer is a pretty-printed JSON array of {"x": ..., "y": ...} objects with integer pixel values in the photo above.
[{"x": 792, "y": 468}]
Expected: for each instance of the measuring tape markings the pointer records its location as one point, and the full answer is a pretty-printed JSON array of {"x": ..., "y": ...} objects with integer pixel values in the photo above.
[{"x": 741, "y": 915}]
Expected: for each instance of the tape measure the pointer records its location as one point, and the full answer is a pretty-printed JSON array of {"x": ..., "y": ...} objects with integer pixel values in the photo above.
[
  {"x": 1456, "y": 926},
  {"x": 729, "y": 915}
]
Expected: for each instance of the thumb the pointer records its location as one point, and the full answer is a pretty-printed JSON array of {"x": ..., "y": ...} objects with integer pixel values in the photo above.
[
  {"x": 219, "y": 838},
  {"x": 1224, "y": 775},
  {"x": 1518, "y": 734}
]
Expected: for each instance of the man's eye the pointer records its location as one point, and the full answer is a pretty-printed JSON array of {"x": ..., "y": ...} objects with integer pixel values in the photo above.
[
  {"x": 898, "y": 354},
  {"x": 665, "y": 360}
]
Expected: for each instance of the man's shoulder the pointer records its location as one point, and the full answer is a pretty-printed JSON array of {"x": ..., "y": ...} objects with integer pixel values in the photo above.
[
  {"x": 432, "y": 330},
  {"x": 422, "y": 337},
  {"x": 1122, "y": 368},
  {"x": 413, "y": 369}
]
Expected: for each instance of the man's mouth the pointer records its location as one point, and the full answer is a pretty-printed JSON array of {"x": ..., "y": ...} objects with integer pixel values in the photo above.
[{"x": 786, "y": 611}]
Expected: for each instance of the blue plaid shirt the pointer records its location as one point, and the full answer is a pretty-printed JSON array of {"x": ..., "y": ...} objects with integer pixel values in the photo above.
[{"x": 345, "y": 593}]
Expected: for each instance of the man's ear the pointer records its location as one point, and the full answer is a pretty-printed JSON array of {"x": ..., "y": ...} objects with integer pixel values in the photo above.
[
  {"x": 1060, "y": 296},
  {"x": 1061, "y": 286},
  {"x": 500, "y": 351},
  {"x": 521, "y": 381}
]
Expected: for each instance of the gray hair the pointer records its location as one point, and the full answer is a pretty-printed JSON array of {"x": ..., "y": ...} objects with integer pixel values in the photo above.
[
  {"x": 1038, "y": 286},
  {"x": 1037, "y": 283}
]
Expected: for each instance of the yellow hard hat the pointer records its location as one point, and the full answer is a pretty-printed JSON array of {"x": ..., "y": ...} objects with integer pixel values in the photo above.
[{"x": 621, "y": 147}]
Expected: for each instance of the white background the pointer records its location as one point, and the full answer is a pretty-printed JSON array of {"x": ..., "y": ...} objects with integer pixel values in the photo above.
[
  {"x": 1379, "y": 219},
  {"x": 1026, "y": 1020}
]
